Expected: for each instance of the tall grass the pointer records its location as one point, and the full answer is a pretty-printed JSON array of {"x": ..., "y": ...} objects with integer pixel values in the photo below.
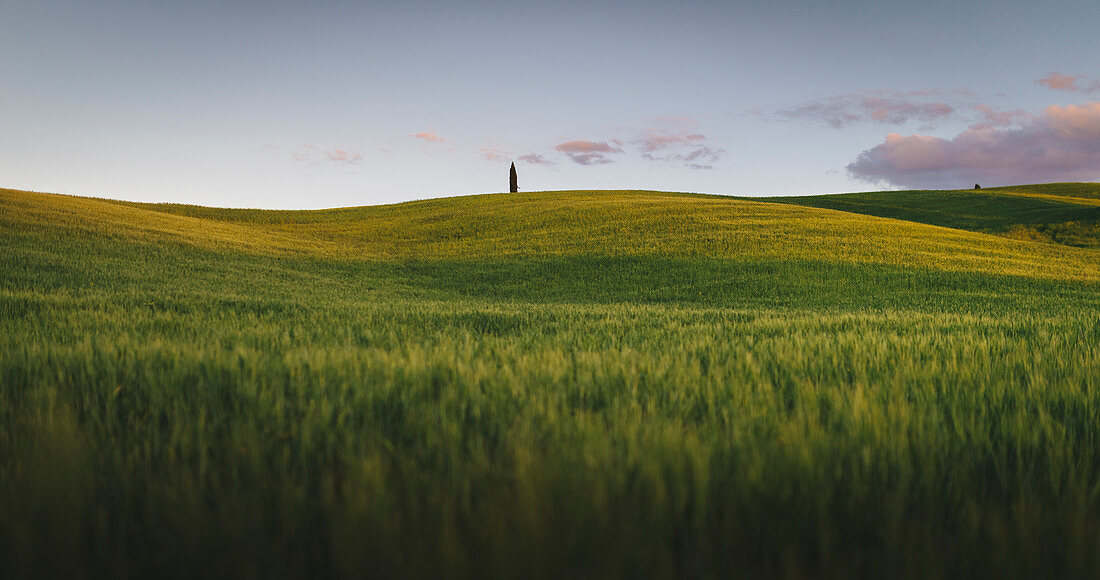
[{"x": 177, "y": 409}]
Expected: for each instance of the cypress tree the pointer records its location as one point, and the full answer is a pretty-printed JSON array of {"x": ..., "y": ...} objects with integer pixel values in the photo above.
[{"x": 513, "y": 180}]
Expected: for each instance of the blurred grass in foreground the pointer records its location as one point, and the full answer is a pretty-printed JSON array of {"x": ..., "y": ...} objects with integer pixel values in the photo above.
[{"x": 174, "y": 410}]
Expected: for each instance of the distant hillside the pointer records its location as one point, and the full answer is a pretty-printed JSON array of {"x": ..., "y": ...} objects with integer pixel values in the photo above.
[
  {"x": 1078, "y": 190},
  {"x": 1063, "y": 213},
  {"x": 604, "y": 223}
]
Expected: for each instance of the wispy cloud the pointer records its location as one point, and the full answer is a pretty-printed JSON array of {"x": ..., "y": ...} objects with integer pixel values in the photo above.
[
  {"x": 1070, "y": 83},
  {"x": 1059, "y": 144},
  {"x": 1059, "y": 82},
  {"x": 535, "y": 159},
  {"x": 494, "y": 154},
  {"x": 427, "y": 137},
  {"x": 655, "y": 140},
  {"x": 669, "y": 140},
  {"x": 590, "y": 152},
  {"x": 679, "y": 143},
  {"x": 342, "y": 156},
  {"x": 313, "y": 155},
  {"x": 991, "y": 117},
  {"x": 882, "y": 107}
]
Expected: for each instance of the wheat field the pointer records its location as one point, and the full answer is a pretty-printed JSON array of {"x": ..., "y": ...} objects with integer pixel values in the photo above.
[{"x": 556, "y": 384}]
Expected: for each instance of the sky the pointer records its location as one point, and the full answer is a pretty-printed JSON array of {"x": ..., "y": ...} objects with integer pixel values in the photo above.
[{"x": 311, "y": 104}]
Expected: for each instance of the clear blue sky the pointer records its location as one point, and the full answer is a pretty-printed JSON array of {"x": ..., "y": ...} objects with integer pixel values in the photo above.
[{"x": 301, "y": 104}]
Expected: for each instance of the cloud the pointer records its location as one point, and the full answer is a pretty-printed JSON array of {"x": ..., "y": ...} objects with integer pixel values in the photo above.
[
  {"x": 590, "y": 152},
  {"x": 341, "y": 156},
  {"x": 879, "y": 107},
  {"x": 314, "y": 155},
  {"x": 1059, "y": 82},
  {"x": 493, "y": 154},
  {"x": 673, "y": 140},
  {"x": 1059, "y": 144},
  {"x": 991, "y": 117},
  {"x": 1070, "y": 83},
  {"x": 534, "y": 159},
  {"x": 658, "y": 139},
  {"x": 427, "y": 137},
  {"x": 684, "y": 146}
]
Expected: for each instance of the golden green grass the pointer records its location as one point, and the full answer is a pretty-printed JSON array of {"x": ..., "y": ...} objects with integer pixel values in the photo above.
[
  {"x": 563, "y": 224},
  {"x": 1059, "y": 213},
  {"x": 569, "y": 384}
]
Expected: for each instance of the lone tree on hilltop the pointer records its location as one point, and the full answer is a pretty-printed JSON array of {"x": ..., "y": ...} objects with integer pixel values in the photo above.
[
  {"x": 513, "y": 180},
  {"x": 976, "y": 186}
]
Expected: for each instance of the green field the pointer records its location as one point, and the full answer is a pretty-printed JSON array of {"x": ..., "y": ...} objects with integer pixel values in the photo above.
[
  {"x": 1064, "y": 213},
  {"x": 553, "y": 385}
]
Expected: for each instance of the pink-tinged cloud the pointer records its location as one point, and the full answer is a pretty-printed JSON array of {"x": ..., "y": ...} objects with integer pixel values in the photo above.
[
  {"x": 1060, "y": 144},
  {"x": 1069, "y": 83},
  {"x": 427, "y": 137},
  {"x": 1079, "y": 123},
  {"x": 882, "y": 107},
  {"x": 534, "y": 159},
  {"x": 655, "y": 140},
  {"x": 493, "y": 154},
  {"x": 1059, "y": 82},
  {"x": 681, "y": 146},
  {"x": 341, "y": 156},
  {"x": 590, "y": 152},
  {"x": 991, "y": 117}
]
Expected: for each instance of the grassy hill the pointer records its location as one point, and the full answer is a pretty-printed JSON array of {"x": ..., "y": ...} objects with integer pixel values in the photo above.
[
  {"x": 1063, "y": 213},
  {"x": 1076, "y": 190},
  {"x": 571, "y": 224},
  {"x": 566, "y": 384}
]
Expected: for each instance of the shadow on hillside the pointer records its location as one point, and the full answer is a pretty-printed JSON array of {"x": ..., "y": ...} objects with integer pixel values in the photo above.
[{"x": 729, "y": 283}]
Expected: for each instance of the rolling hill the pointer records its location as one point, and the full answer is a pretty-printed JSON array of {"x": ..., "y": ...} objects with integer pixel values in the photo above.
[
  {"x": 1064, "y": 213},
  {"x": 632, "y": 223}
]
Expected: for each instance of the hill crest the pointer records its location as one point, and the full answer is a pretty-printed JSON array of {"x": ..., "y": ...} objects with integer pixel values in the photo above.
[{"x": 614, "y": 223}]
